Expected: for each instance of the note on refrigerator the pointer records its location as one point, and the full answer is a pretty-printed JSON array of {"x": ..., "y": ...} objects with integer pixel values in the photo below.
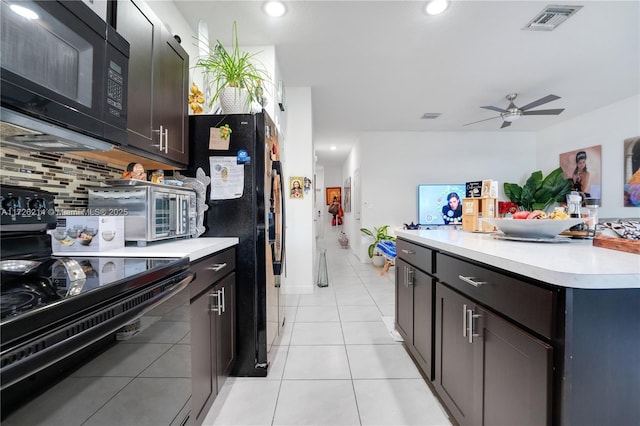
[{"x": 227, "y": 178}]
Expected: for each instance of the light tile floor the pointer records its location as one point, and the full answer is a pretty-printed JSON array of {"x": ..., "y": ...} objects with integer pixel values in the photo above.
[{"x": 337, "y": 363}]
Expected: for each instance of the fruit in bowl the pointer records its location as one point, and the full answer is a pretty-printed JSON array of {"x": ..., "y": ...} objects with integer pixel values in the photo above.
[{"x": 85, "y": 239}]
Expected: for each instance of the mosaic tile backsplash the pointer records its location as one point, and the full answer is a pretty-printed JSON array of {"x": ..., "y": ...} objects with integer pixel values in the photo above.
[{"x": 69, "y": 176}]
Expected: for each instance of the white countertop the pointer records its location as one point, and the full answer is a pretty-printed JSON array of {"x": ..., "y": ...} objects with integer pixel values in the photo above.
[
  {"x": 194, "y": 248},
  {"x": 576, "y": 264}
]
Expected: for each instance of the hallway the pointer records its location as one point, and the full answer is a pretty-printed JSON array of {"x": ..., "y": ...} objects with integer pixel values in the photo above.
[{"x": 337, "y": 363}]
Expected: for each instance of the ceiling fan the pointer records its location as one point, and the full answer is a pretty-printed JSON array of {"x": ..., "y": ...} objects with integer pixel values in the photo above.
[{"x": 513, "y": 113}]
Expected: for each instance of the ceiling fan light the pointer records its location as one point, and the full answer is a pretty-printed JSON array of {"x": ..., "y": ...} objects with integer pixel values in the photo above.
[
  {"x": 275, "y": 9},
  {"x": 436, "y": 7},
  {"x": 510, "y": 117}
]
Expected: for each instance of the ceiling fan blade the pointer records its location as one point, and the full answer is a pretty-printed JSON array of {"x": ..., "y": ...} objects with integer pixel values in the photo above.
[
  {"x": 540, "y": 101},
  {"x": 480, "y": 121},
  {"x": 492, "y": 108},
  {"x": 544, "y": 112},
  {"x": 505, "y": 124}
]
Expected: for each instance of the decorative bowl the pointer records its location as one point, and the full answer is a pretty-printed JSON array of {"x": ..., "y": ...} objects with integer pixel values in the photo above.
[
  {"x": 108, "y": 235},
  {"x": 532, "y": 228}
]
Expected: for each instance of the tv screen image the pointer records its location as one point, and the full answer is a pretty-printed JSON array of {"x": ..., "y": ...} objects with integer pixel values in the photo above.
[{"x": 440, "y": 204}]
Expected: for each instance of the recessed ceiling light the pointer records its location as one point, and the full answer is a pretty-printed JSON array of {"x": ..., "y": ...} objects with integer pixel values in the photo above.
[
  {"x": 24, "y": 12},
  {"x": 333, "y": 148},
  {"x": 275, "y": 9},
  {"x": 436, "y": 7}
]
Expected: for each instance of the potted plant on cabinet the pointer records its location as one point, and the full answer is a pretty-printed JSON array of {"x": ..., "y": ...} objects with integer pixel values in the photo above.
[
  {"x": 236, "y": 77},
  {"x": 378, "y": 234}
]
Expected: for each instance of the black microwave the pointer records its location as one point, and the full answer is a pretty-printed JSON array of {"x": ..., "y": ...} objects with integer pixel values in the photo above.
[{"x": 64, "y": 71}]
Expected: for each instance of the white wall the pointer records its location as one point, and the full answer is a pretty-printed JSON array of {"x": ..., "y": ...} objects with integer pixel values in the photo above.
[
  {"x": 392, "y": 164},
  {"x": 298, "y": 161},
  {"x": 608, "y": 127}
]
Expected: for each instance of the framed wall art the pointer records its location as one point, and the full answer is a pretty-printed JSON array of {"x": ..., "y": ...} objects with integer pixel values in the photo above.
[
  {"x": 295, "y": 187},
  {"x": 333, "y": 191},
  {"x": 632, "y": 172},
  {"x": 584, "y": 167},
  {"x": 347, "y": 195}
]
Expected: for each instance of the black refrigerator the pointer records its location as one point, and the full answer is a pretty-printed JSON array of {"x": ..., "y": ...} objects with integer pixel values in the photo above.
[{"x": 253, "y": 211}]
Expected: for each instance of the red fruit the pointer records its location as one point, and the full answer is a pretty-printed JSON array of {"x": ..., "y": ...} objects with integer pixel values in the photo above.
[
  {"x": 536, "y": 214},
  {"x": 521, "y": 215}
]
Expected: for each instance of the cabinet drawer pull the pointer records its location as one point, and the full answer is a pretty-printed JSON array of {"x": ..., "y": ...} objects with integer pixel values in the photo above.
[
  {"x": 217, "y": 266},
  {"x": 470, "y": 280},
  {"x": 405, "y": 251}
]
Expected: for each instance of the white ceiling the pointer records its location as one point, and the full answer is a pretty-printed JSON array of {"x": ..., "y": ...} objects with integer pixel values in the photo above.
[{"x": 380, "y": 65}]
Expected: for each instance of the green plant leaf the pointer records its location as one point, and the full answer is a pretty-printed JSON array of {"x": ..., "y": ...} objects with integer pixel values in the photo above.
[{"x": 539, "y": 193}]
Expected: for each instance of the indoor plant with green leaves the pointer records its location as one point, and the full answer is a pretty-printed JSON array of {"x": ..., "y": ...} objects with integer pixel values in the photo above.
[
  {"x": 378, "y": 234},
  {"x": 538, "y": 193},
  {"x": 232, "y": 68}
]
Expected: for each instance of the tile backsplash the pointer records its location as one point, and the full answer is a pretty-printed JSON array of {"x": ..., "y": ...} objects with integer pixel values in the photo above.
[{"x": 69, "y": 176}]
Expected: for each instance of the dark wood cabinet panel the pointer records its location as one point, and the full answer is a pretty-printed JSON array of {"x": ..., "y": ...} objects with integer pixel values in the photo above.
[
  {"x": 528, "y": 304},
  {"x": 455, "y": 367},
  {"x": 203, "y": 379},
  {"x": 225, "y": 326},
  {"x": 138, "y": 24},
  {"x": 404, "y": 303},
  {"x": 158, "y": 85},
  {"x": 213, "y": 329},
  {"x": 517, "y": 376},
  {"x": 423, "y": 319},
  {"x": 414, "y": 313}
]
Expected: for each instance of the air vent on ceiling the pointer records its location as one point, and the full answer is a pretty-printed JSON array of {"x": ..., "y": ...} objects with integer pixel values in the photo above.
[
  {"x": 430, "y": 115},
  {"x": 550, "y": 17}
]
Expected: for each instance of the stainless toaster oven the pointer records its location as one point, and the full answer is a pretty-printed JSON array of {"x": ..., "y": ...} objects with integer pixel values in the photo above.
[{"x": 152, "y": 212}]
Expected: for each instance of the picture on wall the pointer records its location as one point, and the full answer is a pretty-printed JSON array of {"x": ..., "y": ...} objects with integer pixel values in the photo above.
[
  {"x": 295, "y": 187},
  {"x": 347, "y": 195},
  {"x": 584, "y": 166},
  {"x": 333, "y": 192},
  {"x": 632, "y": 172}
]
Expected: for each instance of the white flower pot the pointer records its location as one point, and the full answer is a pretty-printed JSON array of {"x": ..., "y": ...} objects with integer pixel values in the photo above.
[
  {"x": 234, "y": 100},
  {"x": 378, "y": 260}
]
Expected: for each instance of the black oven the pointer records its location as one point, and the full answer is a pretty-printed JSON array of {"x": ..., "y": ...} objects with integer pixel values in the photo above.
[
  {"x": 105, "y": 328},
  {"x": 62, "y": 66}
]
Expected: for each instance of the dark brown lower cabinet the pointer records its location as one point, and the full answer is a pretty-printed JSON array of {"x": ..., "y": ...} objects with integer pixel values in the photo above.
[
  {"x": 488, "y": 371},
  {"x": 414, "y": 313},
  {"x": 213, "y": 330}
]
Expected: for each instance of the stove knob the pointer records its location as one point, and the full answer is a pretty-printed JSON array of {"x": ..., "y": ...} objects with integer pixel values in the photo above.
[
  {"x": 11, "y": 203},
  {"x": 11, "y": 206},
  {"x": 37, "y": 204}
]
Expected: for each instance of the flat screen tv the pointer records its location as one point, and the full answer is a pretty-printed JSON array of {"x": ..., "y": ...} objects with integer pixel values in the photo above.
[{"x": 435, "y": 206}]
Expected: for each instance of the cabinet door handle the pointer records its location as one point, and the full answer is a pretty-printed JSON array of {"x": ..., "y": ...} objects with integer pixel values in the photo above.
[
  {"x": 166, "y": 141},
  {"x": 214, "y": 298},
  {"x": 470, "y": 280},
  {"x": 470, "y": 317},
  {"x": 406, "y": 276},
  {"x": 410, "y": 272},
  {"x": 224, "y": 303},
  {"x": 160, "y": 137},
  {"x": 464, "y": 320},
  {"x": 217, "y": 266},
  {"x": 405, "y": 251}
]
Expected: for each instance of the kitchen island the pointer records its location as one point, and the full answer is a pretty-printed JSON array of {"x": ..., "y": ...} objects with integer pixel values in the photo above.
[{"x": 550, "y": 332}]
